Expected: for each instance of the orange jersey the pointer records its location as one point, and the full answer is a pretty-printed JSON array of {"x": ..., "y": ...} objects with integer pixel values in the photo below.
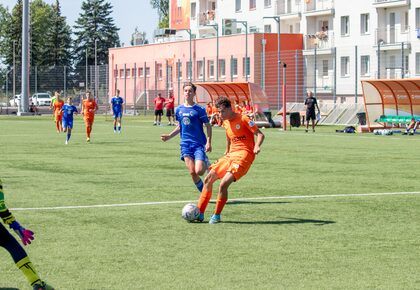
[
  {"x": 240, "y": 132},
  {"x": 89, "y": 107},
  {"x": 58, "y": 104}
]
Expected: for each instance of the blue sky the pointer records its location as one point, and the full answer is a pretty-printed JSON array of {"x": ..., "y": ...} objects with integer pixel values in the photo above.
[{"x": 127, "y": 15}]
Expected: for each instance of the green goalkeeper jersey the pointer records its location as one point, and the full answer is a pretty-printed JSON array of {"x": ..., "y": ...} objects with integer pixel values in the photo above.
[{"x": 5, "y": 214}]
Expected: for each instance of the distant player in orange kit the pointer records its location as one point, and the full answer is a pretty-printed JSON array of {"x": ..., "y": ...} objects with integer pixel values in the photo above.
[
  {"x": 241, "y": 149},
  {"x": 58, "y": 114},
  {"x": 89, "y": 108}
]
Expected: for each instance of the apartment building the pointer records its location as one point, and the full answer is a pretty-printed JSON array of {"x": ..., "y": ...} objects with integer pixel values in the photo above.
[{"x": 344, "y": 41}]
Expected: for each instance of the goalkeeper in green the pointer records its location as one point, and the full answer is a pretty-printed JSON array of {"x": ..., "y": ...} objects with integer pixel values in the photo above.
[{"x": 17, "y": 252}]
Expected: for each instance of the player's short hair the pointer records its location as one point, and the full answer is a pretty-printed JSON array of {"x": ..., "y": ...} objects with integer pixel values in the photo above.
[
  {"x": 69, "y": 99},
  {"x": 223, "y": 102},
  {"x": 117, "y": 91},
  {"x": 190, "y": 84}
]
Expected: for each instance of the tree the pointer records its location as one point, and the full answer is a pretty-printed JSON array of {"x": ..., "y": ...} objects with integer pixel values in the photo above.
[
  {"x": 58, "y": 47},
  {"x": 163, "y": 10},
  {"x": 94, "y": 23}
]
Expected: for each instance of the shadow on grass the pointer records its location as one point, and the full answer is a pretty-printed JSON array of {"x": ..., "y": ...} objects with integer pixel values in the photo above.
[
  {"x": 233, "y": 202},
  {"x": 8, "y": 288},
  {"x": 288, "y": 221}
]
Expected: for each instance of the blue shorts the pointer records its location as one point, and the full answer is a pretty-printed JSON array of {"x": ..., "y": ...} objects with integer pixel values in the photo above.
[
  {"x": 67, "y": 123},
  {"x": 193, "y": 150},
  {"x": 117, "y": 114}
]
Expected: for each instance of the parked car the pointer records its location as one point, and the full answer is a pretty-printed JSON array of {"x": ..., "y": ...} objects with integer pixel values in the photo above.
[{"x": 41, "y": 99}]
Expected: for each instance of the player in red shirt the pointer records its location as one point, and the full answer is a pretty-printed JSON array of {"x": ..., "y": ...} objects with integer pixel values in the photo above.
[
  {"x": 241, "y": 149},
  {"x": 170, "y": 109},
  {"x": 89, "y": 108},
  {"x": 159, "y": 102}
]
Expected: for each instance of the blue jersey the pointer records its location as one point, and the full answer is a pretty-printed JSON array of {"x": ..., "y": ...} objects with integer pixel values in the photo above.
[
  {"x": 117, "y": 103},
  {"x": 68, "y": 111},
  {"x": 191, "y": 120}
]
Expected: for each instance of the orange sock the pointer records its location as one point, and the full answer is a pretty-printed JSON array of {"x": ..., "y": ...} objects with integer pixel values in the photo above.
[
  {"x": 220, "y": 204},
  {"x": 204, "y": 200}
]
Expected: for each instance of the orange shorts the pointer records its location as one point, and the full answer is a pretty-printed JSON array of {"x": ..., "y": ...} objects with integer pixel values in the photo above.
[
  {"x": 237, "y": 163},
  {"x": 89, "y": 120},
  {"x": 58, "y": 116}
]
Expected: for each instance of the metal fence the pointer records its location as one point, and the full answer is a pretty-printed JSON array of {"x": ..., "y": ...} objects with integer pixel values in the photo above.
[{"x": 334, "y": 74}]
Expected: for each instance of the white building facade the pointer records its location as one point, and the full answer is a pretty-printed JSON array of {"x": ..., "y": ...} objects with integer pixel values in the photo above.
[{"x": 344, "y": 41}]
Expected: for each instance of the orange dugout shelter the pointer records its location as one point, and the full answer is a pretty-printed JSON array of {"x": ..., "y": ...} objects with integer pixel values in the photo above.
[{"x": 390, "y": 97}]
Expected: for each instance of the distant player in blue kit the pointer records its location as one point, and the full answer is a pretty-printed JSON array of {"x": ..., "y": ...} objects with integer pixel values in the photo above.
[
  {"x": 194, "y": 144},
  {"x": 68, "y": 110},
  {"x": 116, "y": 104}
]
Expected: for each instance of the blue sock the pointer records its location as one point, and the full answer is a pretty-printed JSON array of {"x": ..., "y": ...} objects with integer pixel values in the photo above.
[
  {"x": 199, "y": 184},
  {"x": 119, "y": 128},
  {"x": 68, "y": 136},
  {"x": 115, "y": 128}
]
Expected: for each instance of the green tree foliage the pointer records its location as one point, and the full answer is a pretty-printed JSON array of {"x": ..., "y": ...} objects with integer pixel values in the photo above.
[
  {"x": 94, "y": 23},
  {"x": 58, "y": 46},
  {"x": 163, "y": 10}
]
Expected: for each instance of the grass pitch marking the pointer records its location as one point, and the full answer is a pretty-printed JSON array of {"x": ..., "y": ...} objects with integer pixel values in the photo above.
[{"x": 231, "y": 200}]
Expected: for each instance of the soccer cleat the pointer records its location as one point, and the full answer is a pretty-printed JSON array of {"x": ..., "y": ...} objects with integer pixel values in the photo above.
[
  {"x": 67, "y": 142},
  {"x": 115, "y": 131},
  {"x": 200, "y": 218},
  {"x": 306, "y": 130},
  {"x": 404, "y": 133},
  {"x": 43, "y": 286},
  {"x": 88, "y": 140},
  {"x": 215, "y": 218},
  {"x": 411, "y": 133}
]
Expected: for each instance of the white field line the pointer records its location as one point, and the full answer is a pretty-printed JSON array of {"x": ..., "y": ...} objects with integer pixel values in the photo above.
[{"x": 231, "y": 200}]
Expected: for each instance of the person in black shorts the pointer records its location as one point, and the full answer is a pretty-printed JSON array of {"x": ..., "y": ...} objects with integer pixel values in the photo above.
[{"x": 310, "y": 104}]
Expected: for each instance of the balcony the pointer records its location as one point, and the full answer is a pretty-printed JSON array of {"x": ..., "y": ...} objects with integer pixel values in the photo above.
[
  {"x": 390, "y": 3},
  {"x": 392, "y": 37},
  {"x": 207, "y": 17},
  {"x": 289, "y": 10},
  {"x": 321, "y": 40},
  {"x": 319, "y": 7}
]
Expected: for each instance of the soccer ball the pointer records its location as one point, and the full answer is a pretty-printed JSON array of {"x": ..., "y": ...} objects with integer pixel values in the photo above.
[{"x": 190, "y": 212}]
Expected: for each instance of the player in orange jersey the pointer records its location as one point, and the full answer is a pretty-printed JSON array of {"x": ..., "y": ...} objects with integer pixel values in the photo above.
[
  {"x": 241, "y": 149},
  {"x": 58, "y": 114},
  {"x": 89, "y": 108}
]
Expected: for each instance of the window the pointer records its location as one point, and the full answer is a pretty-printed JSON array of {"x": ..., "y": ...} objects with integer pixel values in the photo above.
[
  {"x": 406, "y": 65},
  {"x": 238, "y": 6},
  {"x": 252, "y": 4},
  {"x": 141, "y": 72},
  {"x": 267, "y": 28},
  {"x": 210, "y": 67},
  {"x": 159, "y": 71},
  {"x": 364, "y": 23},
  {"x": 345, "y": 66},
  {"x": 121, "y": 73},
  {"x": 365, "y": 65},
  {"x": 417, "y": 18},
  {"x": 405, "y": 27},
  {"x": 200, "y": 69},
  {"x": 115, "y": 73},
  {"x": 345, "y": 25},
  {"x": 222, "y": 68},
  {"x": 245, "y": 65},
  {"x": 417, "y": 63},
  {"x": 234, "y": 67},
  {"x": 133, "y": 72},
  {"x": 325, "y": 67},
  {"x": 189, "y": 70},
  {"x": 193, "y": 10},
  {"x": 127, "y": 73},
  {"x": 267, "y": 3},
  {"x": 179, "y": 70},
  {"x": 147, "y": 71}
]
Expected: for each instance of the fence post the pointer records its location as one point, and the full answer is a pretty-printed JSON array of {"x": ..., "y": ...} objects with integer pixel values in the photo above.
[
  {"x": 134, "y": 90},
  {"x": 145, "y": 89},
  {"x": 355, "y": 73},
  {"x": 296, "y": 75},
  {"x": 335, "y": 75},
  {"x": 125, "y": 86}
]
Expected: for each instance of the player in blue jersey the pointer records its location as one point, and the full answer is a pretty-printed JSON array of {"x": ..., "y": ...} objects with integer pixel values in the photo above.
[
  {"x": 116, "y": 105},
  {"x": 17, "y": 252},
  {"x": 68, "y": 110},
  {"x": 194, "y": 144}
]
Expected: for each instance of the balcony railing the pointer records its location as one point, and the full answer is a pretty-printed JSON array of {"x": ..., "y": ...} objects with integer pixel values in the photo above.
[
  {"x": 207, "y": 17},
  {"x": 391, "y": 3},
  {"x": 317, "y": 5},
  {"x": 293, "y": 8},
  {"x": 320, "y": 40},
  {"x": 392, "y": 35}
]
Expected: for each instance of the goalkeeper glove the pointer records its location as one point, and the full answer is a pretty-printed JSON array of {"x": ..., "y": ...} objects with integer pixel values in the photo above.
[{"x": 25, "y": 235}]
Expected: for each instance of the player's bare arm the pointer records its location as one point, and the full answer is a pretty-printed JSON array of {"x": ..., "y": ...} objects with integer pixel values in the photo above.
[
  {"x": 209, "y": 137},
  {"x": 166, "y": 137},
  {"x": 260, "y": 140}
]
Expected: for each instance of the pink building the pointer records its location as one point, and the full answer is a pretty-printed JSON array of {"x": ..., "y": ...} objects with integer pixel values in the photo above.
[{"x": 140, "y": 72}]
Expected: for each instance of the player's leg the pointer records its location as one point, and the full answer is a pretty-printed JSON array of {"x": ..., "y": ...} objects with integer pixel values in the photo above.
[
  {"x": 206, "y": 193},
  {"x": 19, "y": 256},
  {"x": 201, "y": 161},
  {"x": 222, "y": 197},
  {"x": 313, "y": 124},
  {"x": 190, "y": 164},
  {"x": 156, "y": 116},
  {"x": 115, "y": 122},
  {"x": 119, "y": 121}
]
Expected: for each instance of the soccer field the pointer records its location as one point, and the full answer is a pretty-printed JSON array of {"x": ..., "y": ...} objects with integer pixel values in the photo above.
[{"x": 316, "y": 210}]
